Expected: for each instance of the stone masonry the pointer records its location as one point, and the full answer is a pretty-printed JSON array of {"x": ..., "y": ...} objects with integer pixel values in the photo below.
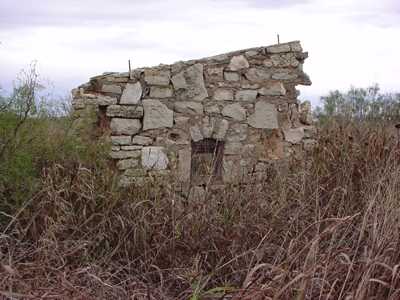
[{"x": 233, "y": 113}]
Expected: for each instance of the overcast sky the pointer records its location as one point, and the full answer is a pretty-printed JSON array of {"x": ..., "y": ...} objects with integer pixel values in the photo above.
[{"x": 349, "y": 41}]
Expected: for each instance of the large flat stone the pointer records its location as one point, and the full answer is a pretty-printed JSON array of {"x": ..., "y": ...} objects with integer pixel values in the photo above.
[
  {"x": 103, "y": 100},
  {"x": 125, "y": 154},
  {"x": 237, "y": 132},
  {"x": 278, "y": 49},
  {"x": 191, "y": 82},
  {"x": 238, "y": 62},
  {"x": 212, "y": 109},
  {"x": 125, "y": 126},
  {"x": 189, "y": 107},
  {"x": 142, "y": 140},
  {"x": 246, "y": 95},
  {"x": 223, "y": 95},
  {"x": 156, "y": 115},
  {"x": 154, "y": 158},
  {"x": 284, "y": 60},
  {"x": 306, "y": 113},
  {"x": 258, "y": 74},
  {"x": 234, "y": 111},
  {"x": 131, "y": 94},
  {"x": 294, "y": 135},
  {"x": 130, "y": 112},
  {"x": 127, "y": 164},
  {"x": 265, "y": 116},
  {"x": 215, "y": 73},
  {"x": 273, "y": 89},
  {"x": 231, "y": 76},
  {"x": 157, "y": 77},
  {"x": 195, "y": 133},
  {"x": 284, "y": 74},
  {"x": 111, "y": 88},
  {"x": 161, "y": 92},
  {"x": 121, "y": 139},
  {"x": 220, "y": 129}
]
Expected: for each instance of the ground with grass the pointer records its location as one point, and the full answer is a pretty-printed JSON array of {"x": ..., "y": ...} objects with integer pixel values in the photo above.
[{"x": 327, "y": 229}]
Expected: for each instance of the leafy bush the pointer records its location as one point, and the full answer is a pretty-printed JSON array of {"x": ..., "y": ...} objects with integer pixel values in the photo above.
[{"x": 34, "y": 134}]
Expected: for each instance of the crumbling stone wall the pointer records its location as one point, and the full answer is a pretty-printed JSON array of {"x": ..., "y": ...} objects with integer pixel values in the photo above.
[{"x": 233, "y": 112}]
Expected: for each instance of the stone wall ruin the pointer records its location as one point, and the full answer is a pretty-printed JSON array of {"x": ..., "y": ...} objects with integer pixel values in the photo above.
[{"x": 218, "y": 119}]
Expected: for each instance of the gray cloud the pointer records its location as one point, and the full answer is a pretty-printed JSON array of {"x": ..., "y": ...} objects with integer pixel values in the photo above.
[
  {"x": 27, "y": 13},
  {"x": 272, "y": 4}
]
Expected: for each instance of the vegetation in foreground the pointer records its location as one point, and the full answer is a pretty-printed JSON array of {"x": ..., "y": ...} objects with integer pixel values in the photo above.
[{"x": 328, "y": 229}]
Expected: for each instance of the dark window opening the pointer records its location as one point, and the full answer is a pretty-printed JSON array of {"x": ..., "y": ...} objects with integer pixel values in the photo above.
[{"x": 207, "y": 157}]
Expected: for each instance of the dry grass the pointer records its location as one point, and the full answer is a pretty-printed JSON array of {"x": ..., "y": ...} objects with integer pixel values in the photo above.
[{"x": 327, "y": 230}]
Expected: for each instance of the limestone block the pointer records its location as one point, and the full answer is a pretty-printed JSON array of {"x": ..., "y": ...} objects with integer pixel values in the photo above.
[
  {"x": 284, "y": 60},
  {"x": 154, "y": 158},
  {"x": 125, "y": 126},
  {"x": 156, "y": 115},
  {"x": 212, "y": 109},
  {"x": 111, "y": 88},
  {"x": 195, "y": 133},
  {"x": 207, "y": 127},
  {"x": 223, "y": 94},
  {"x": 238, "y": 63},
  {"x": 251, "y": 53},
  {"x": 161, "y": 92},
  {"x": 273, "y": 89},
  {"x": 157, "y": 77},
  {"x": 237, "y": 132},
  {"x": 296, "y": 46},
  {"x": 294, "y": 135},
  {"x": 234, "y": 111},
  {"x": 220, "y": 129},
  {"x": 131, "y": 147},
  {"x": 181, "y": 121},
  {"x": 278, "y": 48},
  {"x": 231, "y": 76},
  {"x": 246, "y": 95},
  {"x": 284, "y": 74},
  {"x": 103, "y": 100},
  {"x": 258, "y": 75},
  {"x": 250, "y": 86},
  {"x": 125, "y": 154},
  {"x": 216, "y": 73},
  {"x": 127, "y": 164},
  {"x": 184, "y": 164},
  {"x": 191, "y": 81},
  {"x": 306, "y": 113},
  {"x": 142, "y": 140},
  {"x": 265, "y": 116},
  {"x": 179, "y": 81},
  {"x": 189, "y": 107},
  {"x": 234, "y": 148},
  {"x": 272, "y": 147},
  {"x": 131, "y": 94},
  {"x": 268, "y": 63},
  {"x": 121, "y": 139},
  {"x": 129, "y": 112}
]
